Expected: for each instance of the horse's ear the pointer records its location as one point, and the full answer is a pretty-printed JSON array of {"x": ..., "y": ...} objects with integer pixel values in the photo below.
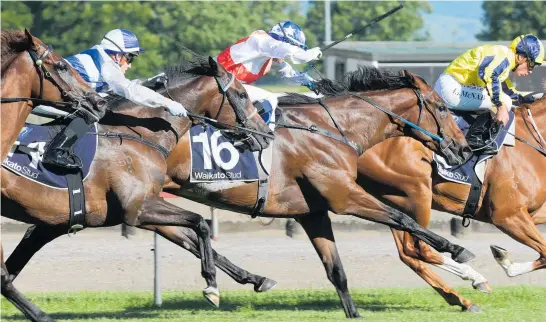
[
  {"x": 30, "y": 38},
  {"x": 410, "y": 78},
  {"x": 214, "y": 65}
]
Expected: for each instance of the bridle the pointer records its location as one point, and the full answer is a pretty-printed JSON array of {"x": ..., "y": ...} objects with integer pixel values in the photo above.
[
  {"x": 43, "y": 74},
  {"x": 242, "y": 119}
]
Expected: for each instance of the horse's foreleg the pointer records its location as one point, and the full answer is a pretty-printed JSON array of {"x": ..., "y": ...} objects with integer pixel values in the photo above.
[
  {"x": 348, "y": 198},
  {"x": 31, "y": 311},
  {"x": 34, "y": 239},
  {"x": 156, "y": 211},
  {"x": 187, "y": 239},
  {"x": 421, "y": 251},
  {"x": 520, "y": 227},
  {"x": 419, "y": 267},
  {"x": 319, "y": 229}
]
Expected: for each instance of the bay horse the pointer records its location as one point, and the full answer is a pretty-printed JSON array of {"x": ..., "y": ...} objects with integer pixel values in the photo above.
[
  {"x": 514, "y": 190},
  {"x": 33, "y": 73},
  {"x": 128, "y": 170},
  {"x": 307, "y": 179}
]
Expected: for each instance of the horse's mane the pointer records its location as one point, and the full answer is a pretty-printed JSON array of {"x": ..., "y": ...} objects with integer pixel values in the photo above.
[
  {"x": 12, "y": 42},
  {"x": 191, "y": 65},
  {"x": 365, "y": 78}
]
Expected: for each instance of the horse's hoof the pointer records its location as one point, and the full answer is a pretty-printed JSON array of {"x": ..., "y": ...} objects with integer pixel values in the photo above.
[
  {"x": 473, "y": 309},
  {"x": 498, "y": 252},
  {"x": 483, "y": 287},
  {"x": 463, "y": 256},
  {"x": 356, "y": 315},
  {"x": 267, "y": 284},
  {"x": 212, "y": 295}
]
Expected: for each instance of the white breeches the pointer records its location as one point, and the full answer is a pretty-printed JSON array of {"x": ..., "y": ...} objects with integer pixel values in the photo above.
[{"x": 466, "y": 98}]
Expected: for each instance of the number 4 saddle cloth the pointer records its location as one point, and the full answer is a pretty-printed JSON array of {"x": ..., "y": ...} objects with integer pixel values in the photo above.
[{"x": 25, "y": 157}]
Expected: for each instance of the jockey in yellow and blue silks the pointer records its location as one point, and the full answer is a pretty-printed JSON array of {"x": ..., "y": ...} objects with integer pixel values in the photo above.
[{"x": 478, "y": 79}]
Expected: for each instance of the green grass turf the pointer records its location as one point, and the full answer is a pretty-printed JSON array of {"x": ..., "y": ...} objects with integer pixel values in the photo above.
[{"x": 523, "y": 303}]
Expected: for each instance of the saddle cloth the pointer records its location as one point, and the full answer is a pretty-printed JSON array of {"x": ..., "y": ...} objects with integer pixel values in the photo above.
[
  {"x": 477, "y": 164},
  {"x": 35, "y": 138},
  {"x": 214, "y": 158}
]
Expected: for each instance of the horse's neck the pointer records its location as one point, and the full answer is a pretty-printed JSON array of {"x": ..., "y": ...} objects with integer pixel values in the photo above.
[
  {"x": 367, "y": 125},
  {"x": 152, "y": 124},
  {"x": 15, "y": 83}
]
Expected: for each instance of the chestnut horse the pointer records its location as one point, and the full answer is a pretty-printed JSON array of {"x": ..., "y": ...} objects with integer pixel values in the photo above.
[
  {"x": 32, "y": 73},
  {"x": 307, "y": 179},
  {"x": 128, "y": 170},
  {"x": 514, "y": 189}
]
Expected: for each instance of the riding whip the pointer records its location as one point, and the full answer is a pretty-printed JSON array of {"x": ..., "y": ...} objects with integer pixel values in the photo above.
[{"x": 374, "y": 21}]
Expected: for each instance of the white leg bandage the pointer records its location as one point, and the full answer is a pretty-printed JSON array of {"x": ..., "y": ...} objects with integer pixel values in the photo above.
[{"x": 462, "y": 270}]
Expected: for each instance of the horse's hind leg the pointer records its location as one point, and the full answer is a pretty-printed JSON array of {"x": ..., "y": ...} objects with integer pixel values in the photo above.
[
  {"x": 156, "y": 211},
  {"x": 187, "y": 239},
  {"x": 34, "y": 239},
  {"x": 419, "y": 267},
  {"x": 319, "y": 229},
  {"x": 31, "y": 311},
  {"x": 520, "y": 227}
]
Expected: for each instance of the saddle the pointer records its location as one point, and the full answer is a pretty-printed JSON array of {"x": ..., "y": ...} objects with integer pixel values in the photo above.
[
  {"x": 485, "y": 137},
  {"x": 25, "y": 158}
]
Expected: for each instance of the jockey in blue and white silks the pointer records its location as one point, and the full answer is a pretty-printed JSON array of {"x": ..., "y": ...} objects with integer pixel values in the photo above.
[
  {"x": 252, "y": 57},
  {"x": 103, "y": 66}
]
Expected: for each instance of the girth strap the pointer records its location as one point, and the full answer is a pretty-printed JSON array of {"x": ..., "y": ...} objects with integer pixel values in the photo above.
[{"x": 164, "y": 152}]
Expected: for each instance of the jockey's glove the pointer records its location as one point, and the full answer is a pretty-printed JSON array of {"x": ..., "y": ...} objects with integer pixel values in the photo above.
[
  {"x": 316, "y": 53},
  {"x": 176, "y": 109}
]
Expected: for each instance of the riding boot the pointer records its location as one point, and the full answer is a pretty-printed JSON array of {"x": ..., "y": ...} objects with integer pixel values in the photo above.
[
  {"x": 482, "y": 134},
  {"x": 59, "y": 151}
]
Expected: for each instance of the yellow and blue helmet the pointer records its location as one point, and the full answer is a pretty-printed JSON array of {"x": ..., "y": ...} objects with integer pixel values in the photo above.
[{"x": 529, "y": 46}]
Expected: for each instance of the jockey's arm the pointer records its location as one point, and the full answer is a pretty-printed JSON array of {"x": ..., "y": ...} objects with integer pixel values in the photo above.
[
  {"x": 133, "y": 91},
  {"x": 288, "y": 72},
  {"x": 493, "y": 75},
  {"x": 273, "y": 48},
  {"x": 517, "y": 96}
]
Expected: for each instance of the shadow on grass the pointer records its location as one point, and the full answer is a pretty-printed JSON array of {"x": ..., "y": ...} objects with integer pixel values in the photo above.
[{"x": 234, "y": 305}]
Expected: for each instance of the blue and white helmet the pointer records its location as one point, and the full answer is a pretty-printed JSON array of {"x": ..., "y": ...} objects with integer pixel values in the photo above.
[
  {"x": 120, "y": 41},
  {"x": 289, "y": 32}
]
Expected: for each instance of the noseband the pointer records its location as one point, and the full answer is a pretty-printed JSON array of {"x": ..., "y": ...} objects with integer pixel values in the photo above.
[
  {"x": 242, "y": 119},
  {"x": 43, "y": 73}
]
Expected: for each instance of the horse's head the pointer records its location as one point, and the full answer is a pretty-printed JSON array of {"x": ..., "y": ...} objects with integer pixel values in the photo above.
[
  {"x": 217, "y": 94},
  {"x": 433, "y": 116},
  {"x": 50, "y": 76}
]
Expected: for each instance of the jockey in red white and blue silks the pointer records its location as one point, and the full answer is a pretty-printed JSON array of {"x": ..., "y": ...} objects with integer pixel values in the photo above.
[{"x": 252, "y": 57}]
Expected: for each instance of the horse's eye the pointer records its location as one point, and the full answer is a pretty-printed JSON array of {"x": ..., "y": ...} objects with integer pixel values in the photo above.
[
  {"x": 61, "y": 66},
  {"x": 243, "y": 95}
]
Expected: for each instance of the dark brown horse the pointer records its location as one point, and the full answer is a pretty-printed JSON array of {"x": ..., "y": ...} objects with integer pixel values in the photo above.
[
  {"x": 307, "y": 178},
  {"x": 32, "y": 73},
  {"x": 128, "y": 170},
  {"x": 514, "y": 190}
]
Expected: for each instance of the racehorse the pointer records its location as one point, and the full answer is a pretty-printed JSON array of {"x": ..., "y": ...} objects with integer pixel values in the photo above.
[
  {"x": 33, "y": 73},
  {"x": 514, "y": 189},
  {"x": 128, "y": 170},
  {"x": 307, "y": 179}
]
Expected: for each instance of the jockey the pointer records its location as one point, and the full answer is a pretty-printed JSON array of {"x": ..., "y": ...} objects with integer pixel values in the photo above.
[
  {"x": 251, "y": 58},
  {"x": 103, "y": 66},
  {"x": 478, "y": 81}
]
